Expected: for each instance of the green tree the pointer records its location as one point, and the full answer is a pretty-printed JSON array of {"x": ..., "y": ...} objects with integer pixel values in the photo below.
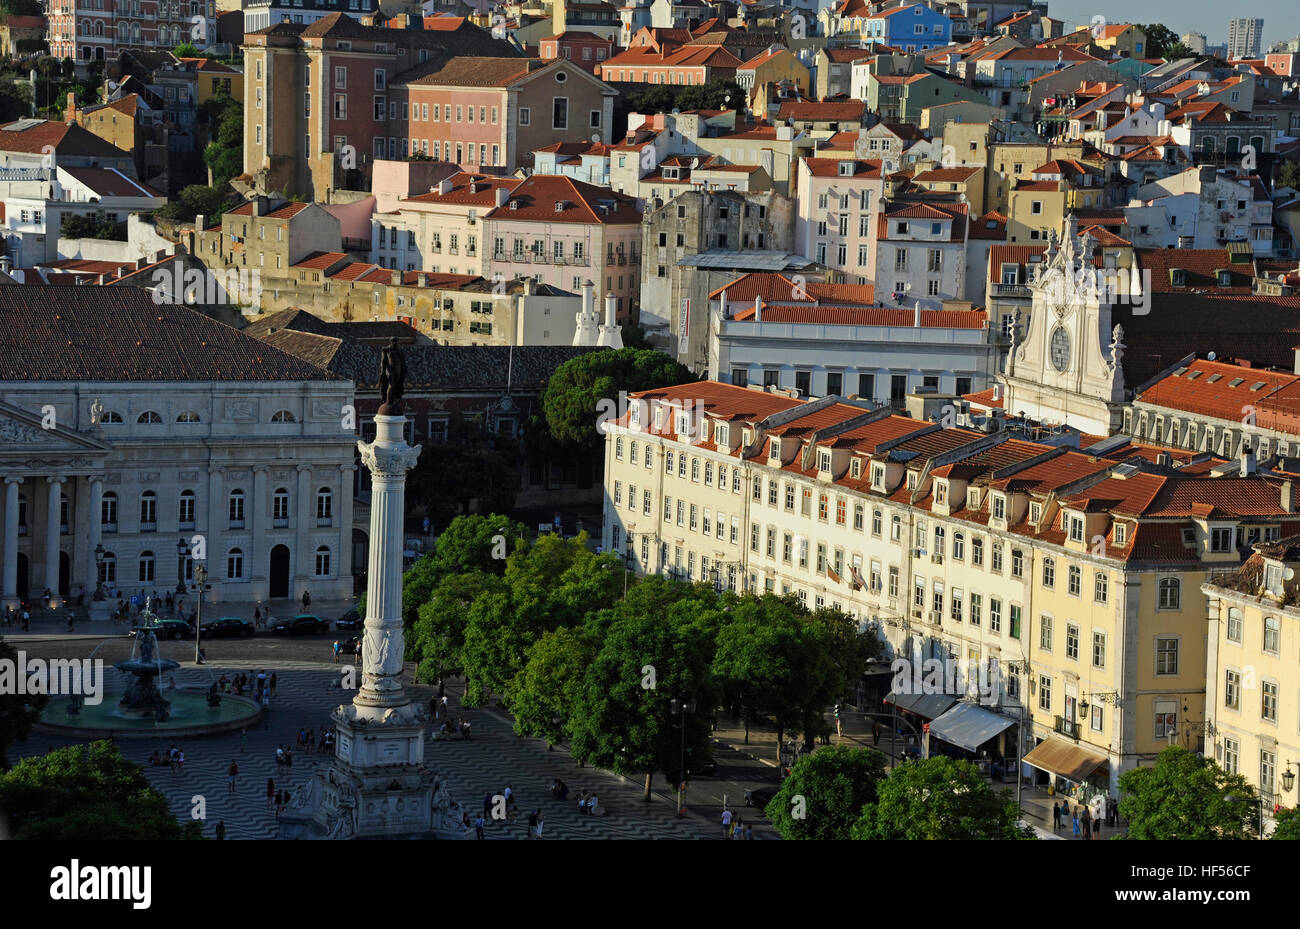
[
  {"x": 825, "y": 793},
  {"x": 576, "y": 388},
  {"x": 476, "y": 542},
  {"x": 437, "y": 639},
  {"x": 771, "y": 657},
  {"x": 552, "y": 583},
  {"x": 86, "y": 792},
  {"x": 544, "y": 695},
  {"x": 624, "y": 716},
  {"x": 1160, "y": 39},
  {"x": 18, "y": 713},
  {"x": 1185, "y": 796},
  {"x": 223, "y": 118},
  {"x": 851, "y": 650},
  {"x": 1288, "y": 825},
  {"x": 21, "y": 8},
  {"x": 471, "y": 466},
  {"x": 1177, "y": 51},
  {"x": 94, "y": 225},
  {"x": 1289, "y": 176},
  {"x": 939, "y": 798},
  {"x": 186, "y": 50}
]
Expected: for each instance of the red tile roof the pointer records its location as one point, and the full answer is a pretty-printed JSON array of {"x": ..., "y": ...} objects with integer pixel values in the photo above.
[
  {"x": 1199, "y": 267},
  {"x": 812, "y": 110},
  {"x": 830, "y": 167},
  {"x": 777, "y": 288},
  {"x": 858, "y": 316},
  {"x": 484, "y": 190},
  {"x": 538, "y": 195}
]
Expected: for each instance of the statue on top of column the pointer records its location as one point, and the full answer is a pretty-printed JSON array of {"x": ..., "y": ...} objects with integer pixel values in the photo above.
[{"x": 392, "y": 380}]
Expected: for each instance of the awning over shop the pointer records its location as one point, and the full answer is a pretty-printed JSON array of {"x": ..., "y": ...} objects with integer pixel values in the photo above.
[
  {"x": 968, "y": 726},
  {"x": 927, "y": 705},
  {"x": 1070, "y": 761}
]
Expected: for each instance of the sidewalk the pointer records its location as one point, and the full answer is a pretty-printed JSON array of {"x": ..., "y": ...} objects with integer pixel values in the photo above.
[{"x": 1035, "y": 803}]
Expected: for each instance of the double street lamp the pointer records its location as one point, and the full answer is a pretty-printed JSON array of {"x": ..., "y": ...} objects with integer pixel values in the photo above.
[{"x": 200, "y": 578}]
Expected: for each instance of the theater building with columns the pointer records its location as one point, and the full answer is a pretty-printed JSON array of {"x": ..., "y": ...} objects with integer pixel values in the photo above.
[{"x": 167, "y": 438}]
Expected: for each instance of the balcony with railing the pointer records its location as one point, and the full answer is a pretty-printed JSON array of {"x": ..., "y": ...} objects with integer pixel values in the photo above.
[
  {"x": 1011, "y": 290},
  {"x": 1067, "y": 727}
]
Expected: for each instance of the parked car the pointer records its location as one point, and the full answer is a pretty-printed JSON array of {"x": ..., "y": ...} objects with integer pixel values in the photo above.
[
  {"x": 227, "y": 627},
  {"x": 172, "y": 629},
  {"x": 759, "y": 796},
  {"x": 350, "y": 620},
  {"x": 302, "y": 624}
]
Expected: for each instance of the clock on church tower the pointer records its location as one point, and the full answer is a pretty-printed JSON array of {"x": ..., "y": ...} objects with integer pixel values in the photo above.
[{"x": 1060, "y": 349}]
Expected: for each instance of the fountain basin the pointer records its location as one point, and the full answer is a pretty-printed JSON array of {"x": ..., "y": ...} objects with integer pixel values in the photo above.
[{"x": 190, "y": 716}]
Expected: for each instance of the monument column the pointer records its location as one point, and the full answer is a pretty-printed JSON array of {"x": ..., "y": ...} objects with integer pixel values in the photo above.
[
  {"x": 11, "y": 542},
  {"x": 54, "y": 496},
  {"x": 388, "y": 458}
]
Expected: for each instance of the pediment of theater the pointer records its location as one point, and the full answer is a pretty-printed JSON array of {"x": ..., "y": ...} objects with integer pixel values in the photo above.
[{"x": 30, "y": 440}]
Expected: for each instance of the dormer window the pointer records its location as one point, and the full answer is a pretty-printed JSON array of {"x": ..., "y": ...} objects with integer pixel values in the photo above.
[
  {"x": 1076, "y": 528},
  {"x": 1121, "y": 534},
  {"x": 1221, "y": 539},
  {"x": 846, "y": 169},
  {"x": 941, "y": 492},
  {"x": 1178, "y": 277},
  {"x": 823, "y": 460},
  {"x": 973, "y": 498},
  {"x": 659, "y": 416},
  {"x": 1189, "y": 536},
  {"x": 634, "y": 415},
  {"x": 683, "y": 423},
  {"x": 855, "y": 468},
  {"x": 999, "y": 507},
  {"x": 721, "y": 431},
  {"x": 1035, "y": 512},
  {"x": 911, "y": 480},
  {"x": 774, "y": 453},
  {"x": 671, "y": 174},
  {"x": 878, "y": 477},
  {"x": 1225, "y": 278}
]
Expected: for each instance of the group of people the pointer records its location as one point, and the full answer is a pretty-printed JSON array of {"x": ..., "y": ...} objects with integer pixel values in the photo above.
[
  {"x": 559, "y": 789},
  {"x": 23, "y": 615},
  {"x": 283, "y": 760},
  {"x": 459, "y": 728},
  {"x": 260, "y": 685},
  {"x": 275, "y": 798},
  {"x": 173, "y": 758},
  {"x": 734, "y": 827},
  {"x": 588, "y": 805},
  {"x": 1086, "y": 822},
  {"x": 311, "y": 740}
]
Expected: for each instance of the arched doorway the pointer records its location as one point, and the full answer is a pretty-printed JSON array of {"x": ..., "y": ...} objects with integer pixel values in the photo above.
[
  {"x": 65, "y": 575},
  {"x": 279, "y": 572},
  {"x": 22, "y": 576}
]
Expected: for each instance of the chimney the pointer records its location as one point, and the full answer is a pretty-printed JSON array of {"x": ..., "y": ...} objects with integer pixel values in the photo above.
[
  {"x": 141, "y": 262},
  {"x": 588, "y": 309},
  {"x": 200, "y": 222},
  {"x": 6, "y": 264},
  {"x": 444, "y": 186},
  {"x": 1164, "y": 458},
  {"x": 758, "y": 309},
  {"x": 916, "y": 315},
  {"x": 1247, "y": 460},
  {"x": 71, "y": 114},
  {"x": 259, "y": 206},
  {"x": 611, "y": 310},
  {"x": 997, "y": 391},
  {"x": 529, "y": 286},
  {"x": 395, "y": 279},
  {"x": 1288, "y": 498},
  {"x": 422, "y": 279},
  {"x": 502, "y": 195}
]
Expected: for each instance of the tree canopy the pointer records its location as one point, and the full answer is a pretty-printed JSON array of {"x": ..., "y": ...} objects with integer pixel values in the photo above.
[
  {"x": 939, "y": 798},
  {"x": 86, "y": 792},
  {"x": 1160, "y": 39},
  {"x": 1185, "y": 796},
  {"x": 18, "y": 712},
  {"x": 825, "y": 793},
  {"x": 470, "y": 466},
  {"x": 577, "y": 386}
]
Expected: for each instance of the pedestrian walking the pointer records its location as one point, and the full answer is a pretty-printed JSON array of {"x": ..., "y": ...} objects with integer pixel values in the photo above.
[
  {"x": 540, "y": 816},
  {"x": 478, "y": 827},
  {"x": 487, "y": 804},
  {"x": 1056, "y": 816},
  {"x": 288, "y": 762},
  {"x": 257, "y": 617},
  {"x": 532, "y": 824},
  {"x": 306, "y": 599},
  {"x": 271, "y": 682},
  {"x": 180, "y": 761},
  {"x": 279, "y": 802},
  {"x": 1096, "y": 825},
  {"x": 279, "y": 759},
  {"x": 839, "y": 724},
  {"x": 1074, "y": 817},
  {"x": 337, "y": 650},
  {"x": 220, "y": 830},
  {"x": 270, "y": 792},
  {"x": 726, "y": 823},
  {"x": 875, "y": 733},
  {"x": 1085, "y": 820},
  {"x": 234, "y": 772},
  {"x": 749, "y": 832}
]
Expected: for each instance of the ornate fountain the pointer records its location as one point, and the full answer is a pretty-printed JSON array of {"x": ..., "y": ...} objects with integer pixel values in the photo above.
[{"x": 142, "y": 698}]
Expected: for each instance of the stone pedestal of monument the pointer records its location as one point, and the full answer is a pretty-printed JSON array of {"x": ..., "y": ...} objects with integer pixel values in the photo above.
[{"x": 377, "y": 785}]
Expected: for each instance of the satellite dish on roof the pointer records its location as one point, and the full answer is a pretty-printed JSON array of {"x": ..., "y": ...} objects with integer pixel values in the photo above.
[
  {"x": 1210, "y": 356},
  {"x": 695, "y": 163},
  {"x": 676, "y": 111},
  {"x": 112, "y": 86},
  {"x": 595, "y": 137}
]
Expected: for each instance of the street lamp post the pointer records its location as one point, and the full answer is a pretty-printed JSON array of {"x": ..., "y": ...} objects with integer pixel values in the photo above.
[
  {"x": 681, "y": 708},
  {"x": 181, "y": 551},
  {"x": 201, "y": 578}
]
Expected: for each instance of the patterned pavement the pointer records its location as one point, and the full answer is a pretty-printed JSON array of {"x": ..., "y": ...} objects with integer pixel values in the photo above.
[{"x": 495, "y": 758}]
